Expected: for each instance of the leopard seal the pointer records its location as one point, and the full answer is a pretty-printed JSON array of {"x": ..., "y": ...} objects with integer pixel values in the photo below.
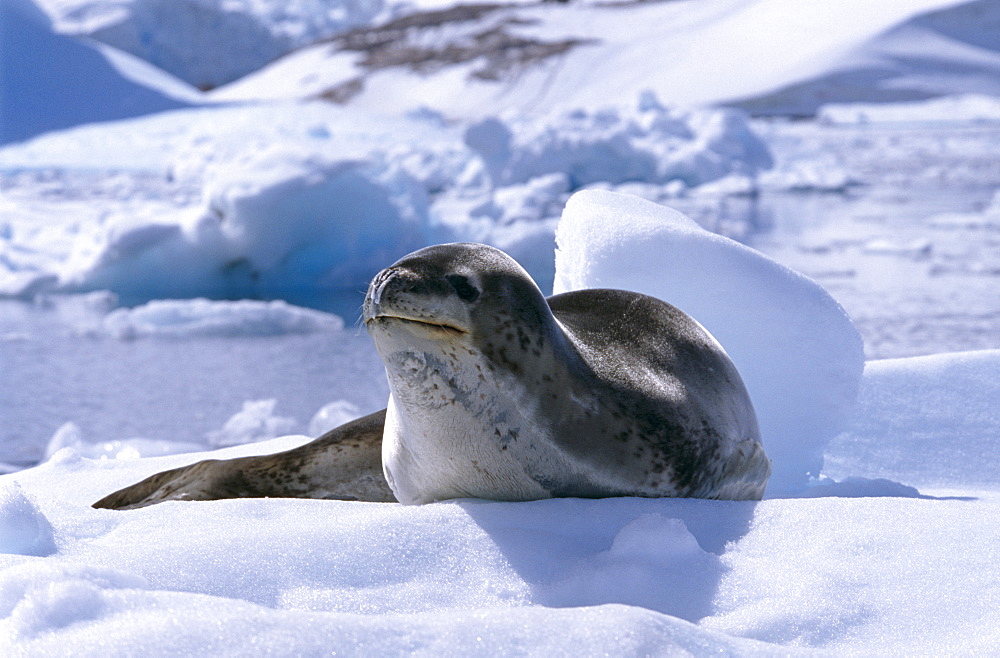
[{"x": 498, "y": 392}]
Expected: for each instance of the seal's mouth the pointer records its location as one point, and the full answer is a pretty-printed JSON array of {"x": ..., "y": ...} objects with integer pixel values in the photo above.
[{"x": 421, "y": 325}]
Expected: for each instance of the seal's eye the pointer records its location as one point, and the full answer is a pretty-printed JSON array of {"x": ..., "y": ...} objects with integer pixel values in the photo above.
[{"x": 465, "y": 290}]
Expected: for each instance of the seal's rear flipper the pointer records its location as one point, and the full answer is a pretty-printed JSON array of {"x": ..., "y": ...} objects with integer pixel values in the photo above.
[{"x": 345, "y": 464}]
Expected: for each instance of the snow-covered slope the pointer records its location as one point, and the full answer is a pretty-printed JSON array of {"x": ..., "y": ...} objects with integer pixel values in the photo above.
[
  {"x": 211, "y": 42},
  {"x": 773, "y": 56},
  {"x": 954, "y": 50},
  {"x": 49, "y": 81},
  {"x": 476, "y": 60}
]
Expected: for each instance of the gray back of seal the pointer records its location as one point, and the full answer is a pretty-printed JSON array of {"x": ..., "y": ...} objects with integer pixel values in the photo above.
[{"x": 673, "y": 415}]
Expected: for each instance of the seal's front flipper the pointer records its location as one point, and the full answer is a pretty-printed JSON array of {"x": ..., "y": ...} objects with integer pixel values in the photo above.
[{"x": 345, "y": 464}]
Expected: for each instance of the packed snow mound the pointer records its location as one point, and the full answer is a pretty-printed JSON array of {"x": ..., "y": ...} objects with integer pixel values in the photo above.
[
  {"x": 925, "y": 419},
  {"x": 798, "y": 353},
  {"x": 69, "y": 444},
  {"x": 949, "y": 50},
  {"x": 76, "y": 82},
  {"x": 210, "y": 42},
  {"x": 278, "y": 224},
  {"x": 202, "y": 317},
  {"x": 256, "y": 421},
  {"x": 648, "y": 143},
  {"x": 23, "y": 529}
]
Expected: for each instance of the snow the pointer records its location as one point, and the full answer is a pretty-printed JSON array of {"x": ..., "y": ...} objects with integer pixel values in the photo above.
[
  {"x": 80, "y": 81},
  {"x": 772, "y": 57},
  {"x": 344, "y": 210},
  {"x": 651, "y": 143},
  {"x": 857, "y": 566},
  {"x": 318, "y": 201},
  {"x": 961, "y": 107},
  {"x": 333, "y": 415},
  {"x": 575, "y": 55},
  {"x": 947, "y": 49},
  {"x": 942, "y": 408},
  {"x": 69, "y": 436},
  {"x": 202, "y": 317},
  {"x": 184, "y": 37},
  {"x": 902, "y": 573},
  {"x": 903, "y": 47},
  {"x": 154, "y": 241},
  {"x": 23, "y": 530},
  {"x": 255, "y": 422}
]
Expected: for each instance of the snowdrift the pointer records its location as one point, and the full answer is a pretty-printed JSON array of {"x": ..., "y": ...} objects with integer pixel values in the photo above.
[{"x": 797, "y": 351}]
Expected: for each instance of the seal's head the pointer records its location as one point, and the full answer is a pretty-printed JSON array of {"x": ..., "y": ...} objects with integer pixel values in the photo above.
[
  {"x": 465, "y": 336},
  {"x": 453, "y": 294}
]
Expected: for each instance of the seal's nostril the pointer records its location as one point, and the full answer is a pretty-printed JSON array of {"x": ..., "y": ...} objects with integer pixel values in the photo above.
[
  {"x": 377, "y": 296},
  {"x": 379, "y": 284}
]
